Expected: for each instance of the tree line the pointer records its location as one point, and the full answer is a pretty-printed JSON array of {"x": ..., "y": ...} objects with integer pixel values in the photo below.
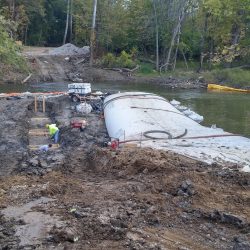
[{"x": 161, "y": 31}]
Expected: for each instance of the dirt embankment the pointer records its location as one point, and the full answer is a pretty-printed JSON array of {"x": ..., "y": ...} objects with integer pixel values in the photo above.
[
  {"x": 54, "y": 65},
  {"x": 85, "y": 196}
]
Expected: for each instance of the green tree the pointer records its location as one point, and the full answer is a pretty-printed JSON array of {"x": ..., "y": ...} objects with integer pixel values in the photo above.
[{"x": 9, "y": 50}]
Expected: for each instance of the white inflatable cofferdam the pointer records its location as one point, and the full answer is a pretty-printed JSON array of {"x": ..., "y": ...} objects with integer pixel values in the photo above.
[
  {"x": 129, "y": 115},
  {"x": 143, "y": 117},
  {"x": 132, "y": 115}
]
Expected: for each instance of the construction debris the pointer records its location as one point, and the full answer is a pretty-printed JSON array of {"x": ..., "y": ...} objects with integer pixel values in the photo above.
[{"x": 84, "y": 108}]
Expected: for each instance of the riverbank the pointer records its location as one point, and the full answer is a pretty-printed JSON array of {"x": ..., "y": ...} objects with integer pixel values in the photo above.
[
  {"x": 84, "y": 195},
  {"x": 54, "y": 65},
  {"x": 46, "y": 66}
]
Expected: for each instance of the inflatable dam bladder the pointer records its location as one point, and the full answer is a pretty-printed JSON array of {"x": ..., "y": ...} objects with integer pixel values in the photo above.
[{"x": 151, "y": 121}]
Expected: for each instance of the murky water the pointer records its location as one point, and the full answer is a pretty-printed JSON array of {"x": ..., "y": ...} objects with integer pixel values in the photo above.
[{"x": 230, "y": 111}]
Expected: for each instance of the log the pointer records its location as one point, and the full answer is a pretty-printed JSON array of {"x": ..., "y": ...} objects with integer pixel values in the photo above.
[
  {"x": 122, "y": 70},
  {"x": 27, "y": 78}
]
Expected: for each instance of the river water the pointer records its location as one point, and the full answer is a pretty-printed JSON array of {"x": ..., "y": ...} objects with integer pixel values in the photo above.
[{"x": 230, "y": 111}]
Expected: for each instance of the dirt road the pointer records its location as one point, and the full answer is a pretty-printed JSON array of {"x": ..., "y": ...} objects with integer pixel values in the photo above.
[{"x": 85, "y": 196}]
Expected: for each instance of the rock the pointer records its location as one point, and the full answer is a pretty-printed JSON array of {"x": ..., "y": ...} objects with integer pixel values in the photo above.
[
  {"x": 227, "y": 218},
  {"x": 43, "y": 164},
  {"x": 118, "y": 223},
  {"x": 34, "y": 162},
  {"x": 58, "y": 158},
  {"x": 181, "y": 193},
  {"x": 186, "y": 184},
  {"x": 64, "y": 235},
  {"x": 186, "y": 189},
  {"x": 24, "y": 165},
  {"x": 79, "y": 214},
  {"x": 241, "y": 244},
  {"x": 2, "y": 191}
]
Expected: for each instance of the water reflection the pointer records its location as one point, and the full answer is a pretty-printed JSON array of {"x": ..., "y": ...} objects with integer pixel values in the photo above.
[{"x": 230, "y": 111}]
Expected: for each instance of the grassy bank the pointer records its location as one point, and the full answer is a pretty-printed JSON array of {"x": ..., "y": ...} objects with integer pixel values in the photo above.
[{"x": 235, "y": 77}]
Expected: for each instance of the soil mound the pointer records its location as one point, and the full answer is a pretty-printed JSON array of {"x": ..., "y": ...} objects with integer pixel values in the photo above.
[
  {"x": 70, "y": 50},
  {"x": 131, "y": 162}
]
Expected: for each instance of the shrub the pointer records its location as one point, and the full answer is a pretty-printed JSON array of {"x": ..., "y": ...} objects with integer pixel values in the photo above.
[
  {"x": 9, "y": 50},
  {"x": 124, "y": 60},
  {"x": 109, "y": 60}
]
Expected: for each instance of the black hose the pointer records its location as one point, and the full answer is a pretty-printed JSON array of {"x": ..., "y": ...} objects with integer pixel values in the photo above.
[
  {"x": 156, "y": 131},
  {"x": 163, "y": 132},
  {"x": 180, "y": 136}
]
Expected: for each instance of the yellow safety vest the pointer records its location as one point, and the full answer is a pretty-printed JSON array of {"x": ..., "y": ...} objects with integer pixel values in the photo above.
[{"x": 53, "y": 129}]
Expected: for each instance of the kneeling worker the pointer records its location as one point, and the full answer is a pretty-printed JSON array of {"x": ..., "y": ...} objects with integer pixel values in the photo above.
[
  {"x": 53, "y": 132},
  {"x": 45, "y": 148}
]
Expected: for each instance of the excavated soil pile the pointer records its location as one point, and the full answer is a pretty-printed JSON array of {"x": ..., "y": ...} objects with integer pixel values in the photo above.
[{"x": 86, "y": 196}]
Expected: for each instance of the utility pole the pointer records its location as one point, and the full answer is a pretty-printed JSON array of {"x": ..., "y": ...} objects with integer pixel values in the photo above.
[{"x": 92, "y": 35}]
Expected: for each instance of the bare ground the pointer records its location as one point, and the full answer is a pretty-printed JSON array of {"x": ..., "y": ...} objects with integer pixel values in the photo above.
[{"x": 86, "y": 196}]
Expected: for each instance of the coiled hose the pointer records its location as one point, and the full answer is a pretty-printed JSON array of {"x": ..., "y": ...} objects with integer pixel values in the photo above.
[{"x": 170, "y": 136}]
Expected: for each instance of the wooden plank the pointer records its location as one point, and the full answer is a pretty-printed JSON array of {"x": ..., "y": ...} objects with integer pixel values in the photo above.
[
  {"x": 35, "y": 103},
  {"x": 36, "y": 147},
  {"x": 44, "y": 106},
  {"x": 40, "y": 118},
  {"x": 38, "y": 133}
]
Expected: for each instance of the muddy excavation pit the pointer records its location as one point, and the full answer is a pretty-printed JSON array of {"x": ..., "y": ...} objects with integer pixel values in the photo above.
[{"x": 82, "y": 195}]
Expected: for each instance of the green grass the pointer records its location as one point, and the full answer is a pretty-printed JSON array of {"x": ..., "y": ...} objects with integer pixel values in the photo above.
[
  {"x": 234, "y": 77},
  {"x": 231, "y": 77},
  {"x": 148, "y": 70}
]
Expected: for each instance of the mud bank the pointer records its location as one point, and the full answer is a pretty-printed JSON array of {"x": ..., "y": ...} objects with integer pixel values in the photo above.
[
  {"x": 48, "y": 67},
  {"x": 85, "y": 196}
]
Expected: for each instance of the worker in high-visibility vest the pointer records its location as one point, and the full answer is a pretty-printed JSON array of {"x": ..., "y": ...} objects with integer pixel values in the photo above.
[{"x": 53, "y": 132}]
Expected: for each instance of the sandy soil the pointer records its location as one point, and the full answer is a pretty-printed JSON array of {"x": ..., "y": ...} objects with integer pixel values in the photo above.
[{"x": 86, "y": 196}]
